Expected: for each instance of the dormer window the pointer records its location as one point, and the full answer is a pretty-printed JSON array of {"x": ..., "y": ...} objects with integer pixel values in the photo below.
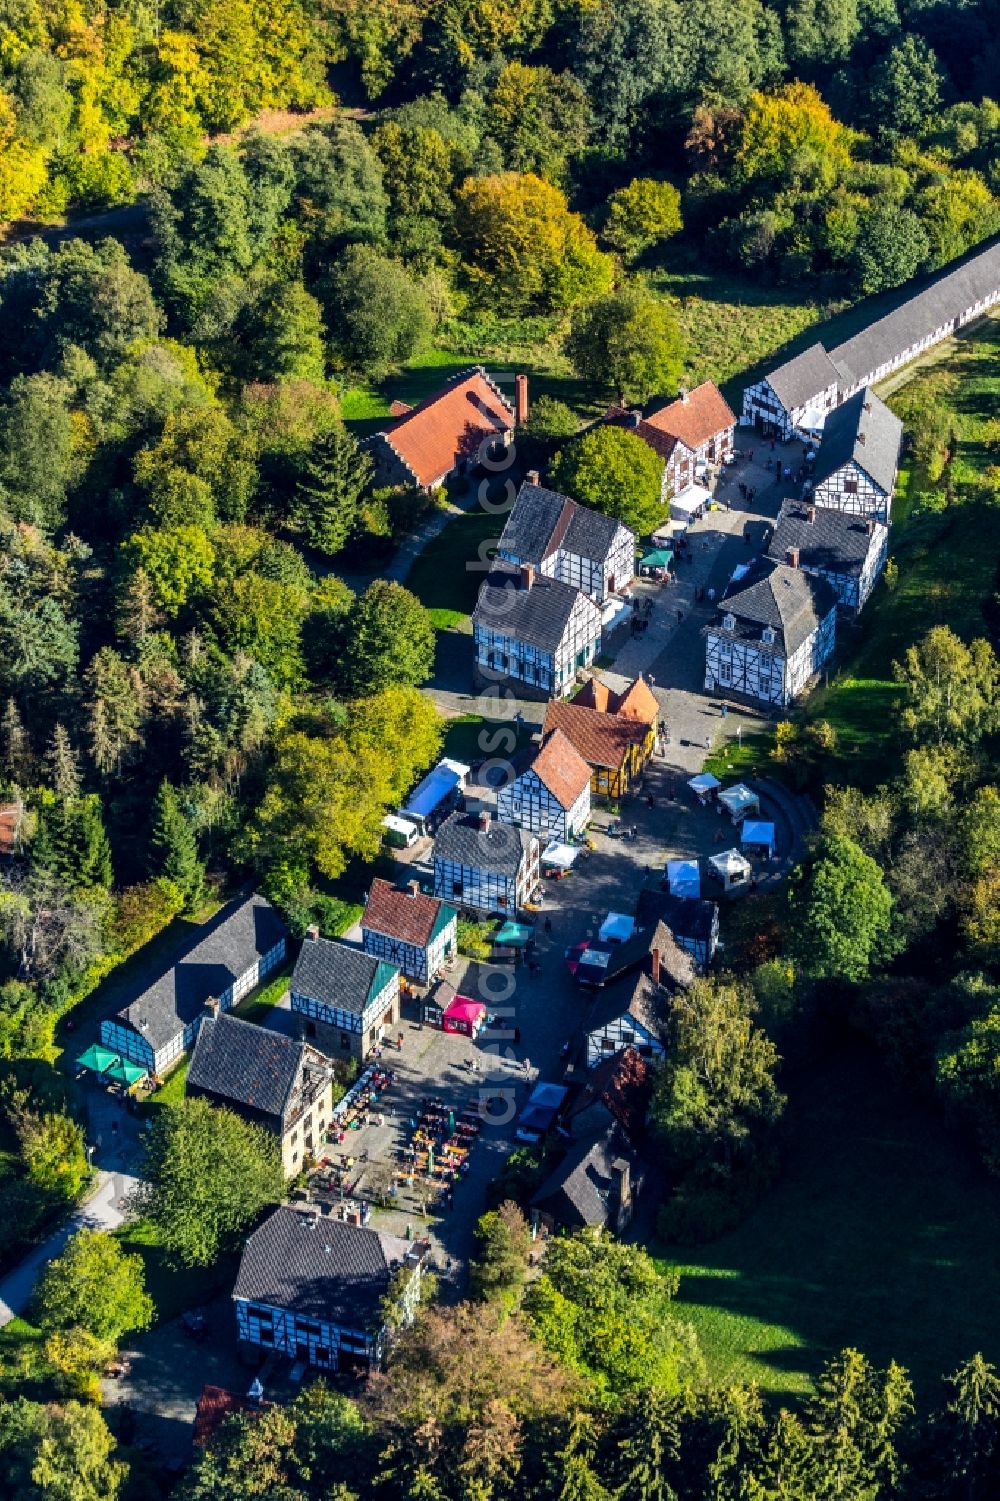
[
  {"x": 729, "y": 622},
  {"x": 767, "y": 635}
]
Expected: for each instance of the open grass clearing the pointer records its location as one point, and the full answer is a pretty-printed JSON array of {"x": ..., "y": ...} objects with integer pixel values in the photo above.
[
  {"x": 448, "y": 573},
  {"x": 881, "y": 1233}
]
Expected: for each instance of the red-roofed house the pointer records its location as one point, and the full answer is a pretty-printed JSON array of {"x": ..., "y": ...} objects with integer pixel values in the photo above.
[
  {"x": 614, "y": 733},
  {"x": 551, "y": 797},
  {"x": 11, "y": 818},
  {"x": 694, "y": 430},
  {"x": 446, "y": 434},
  {"x": 417, "y": 933}
]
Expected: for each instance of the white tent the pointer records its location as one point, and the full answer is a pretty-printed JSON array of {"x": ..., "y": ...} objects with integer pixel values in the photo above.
[
  {"x": 684, "y": 877},
  {"x": 559, "y": 856},
  {"x": 704, "y": 784},
  {"x": 759, "y": 836},
  {"x": 689, "y": 503},
  {"x": 731, "y": 868},
  {"x": 739, "y": 801},
  {"x": 616, "y": 928}
]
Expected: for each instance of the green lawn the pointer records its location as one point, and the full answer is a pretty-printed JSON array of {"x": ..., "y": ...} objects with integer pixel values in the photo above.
[
  {"x": 174, "y": 1289},
  {"x": 881, "y": 1233},
  {"x": 470, "y": 737},
  {"x": 256, "y": 1007},
  {"x": 447, "y": 575}
]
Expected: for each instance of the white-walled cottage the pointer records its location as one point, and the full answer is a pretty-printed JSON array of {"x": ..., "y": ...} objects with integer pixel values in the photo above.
[
  {"x": 795, "y": 398},
  {"x": 551, "y": 797},
  {"x": 774, "y": 630},
  {"x": 848, "y": 551},
  {"x": 484, "y": 865},
  {"x": 343, "y": 998},
  {"x": 568, "y": 542},
  {"x": 531, "y": 632},
  {"x": 858, "y": 459},
  {"x": 415, "y": 932},
  {"x": 690, "y": 433}
]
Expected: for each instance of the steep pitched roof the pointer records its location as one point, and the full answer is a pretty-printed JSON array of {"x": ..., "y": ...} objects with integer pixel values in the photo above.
[
  {"x": 407, "y": 915},
  {"x": 832, "y": 540},
  {"x": 541, "y": 521},
  {"x": 789, "y": 600},
  {"x": 537, "y": 614},
  {"x": 687, "y": 917},
  {"x": 862, "y": 429},
  {"x": 561, "y": 768},
  {"x": 696, "y": 417},
  {"x": 229, "y": 945},
  {"x": 674, "y": 965},
  {"x": 320, "y": 1268},
  {"x": 339, "y": 976},
  {"x": 436, "y": 435},
  {"x": 247, "y": 1064},
  {"x": 662, "y": 444},
  {"x": 577, "y": 1192},
  {"x": 601, "y": 739},
  {"x": 500, "y": 847},
  {"x": 623, "y": 1083},
  {"x": 637, "y": 701},
  {"x": 637, "y": 996},
  {"x": 798, "y": 381}
]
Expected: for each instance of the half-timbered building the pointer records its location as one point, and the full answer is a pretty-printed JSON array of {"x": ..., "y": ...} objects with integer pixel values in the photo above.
[
  {"x": 692, "y": 921},
  {"x": 313, "y": 1288},
  {"x": 551, "y": 797},
  {"x": 795, "y": 398},
  {"x": 343, "y": 998},
  {"x": 532, "y": 632},
  {"x": 568, "y": 542},
  {"x": 239, "y": 947},
  {"x": 690, "y": 433},
  {"x": 858, "y": 459},
  {"x": 849, "y": 551},
  {"x": 632, "y": 1012},
  {"x": 268, "y": 1079},
  {"x": 449, "y": 433},
  {"x": 483, "y": 865},
  {"x": 615, "y": 733},
  {"x": 417, "y": 933},
  {"x": 774, "y": 630}
]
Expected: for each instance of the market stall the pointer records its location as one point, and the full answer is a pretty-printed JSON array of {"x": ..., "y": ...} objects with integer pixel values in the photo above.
[
  {"x": 656, "y": 564},
  {"x": 704, "y": 785},
  {"x": 684, "y": 878},
  {"x": 616, "y": 928},
  {"x": 558, "y": 859},
  {"x": 464, "y": 1016},
  {"x": 732, "y": 869},
  {"x": 739, "y": 801},
  {"x": 759, "y": 838}
]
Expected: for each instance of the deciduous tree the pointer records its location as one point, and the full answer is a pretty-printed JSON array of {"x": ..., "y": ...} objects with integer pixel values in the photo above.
[
  {"x": 615, "y": 472},
  {"x": 628, "y": 343},
  {"x": 841, "y": 912},
  {"x": 642, "y": 214},
  {"x": 389, "y": 639},
  {"x": 94, "y": 1285}
]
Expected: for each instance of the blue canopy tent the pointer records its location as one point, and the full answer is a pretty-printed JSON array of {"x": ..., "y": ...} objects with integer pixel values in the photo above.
[
  {"x": 684, "y": 878},
  {"x": 759, "y": 837}
]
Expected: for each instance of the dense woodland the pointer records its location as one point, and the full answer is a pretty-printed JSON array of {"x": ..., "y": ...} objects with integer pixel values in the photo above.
[{"x": 192, "y": 699}]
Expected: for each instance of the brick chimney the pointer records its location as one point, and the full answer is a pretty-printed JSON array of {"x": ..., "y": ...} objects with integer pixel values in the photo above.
[
  {"x": 520, "y": 399},
  {"x": 792, "y": 557},
  {"x": 527, "y": 575},
  {"x": 810, "y": 514},
  {"x": 621, "y": 1177},
  {"x": 212, "y": 1005},
  {"x": 870, "y": 526},
  {"x": 413, "y": 888},
  {"x": 654, "y": 966},
  {"x": 484, "y": 820},
  {"x": 312, "y": 932},
  {"x": 683, "y": 393},
  {"x": 533, "y": 477}
]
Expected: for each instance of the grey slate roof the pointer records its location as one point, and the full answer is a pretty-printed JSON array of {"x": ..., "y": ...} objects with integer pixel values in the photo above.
[
  {"x": 799, "y": 380},
  {"x": 538, "y": 616},
  {"x": 686, "y": 916},
  {"x": 947, "y": 297},
  {"x": 499, "y": 848},
  {"x": 833, "y": 541},
  {"x": 336, "y": 975},
  {"x": 862, "y": 429},
  {"x": 247, "y": 1064},
  {"x": 789, "y": 600},
  {"x": 640, "y": 998},
  {"x": 239, "y": 935},
  {"x": 576, "y": 1194},
  {"x": 322, "y": 1269},
  {"x": 542, "y": 520},
  {"x": 675, "y": 965}
]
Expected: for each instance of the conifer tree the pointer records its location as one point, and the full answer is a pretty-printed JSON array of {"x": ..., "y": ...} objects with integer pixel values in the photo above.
[
  {"x": 333, "y": 479},
  {"x": 64, "y": 768},
  {"x": 174, "y": 847}
]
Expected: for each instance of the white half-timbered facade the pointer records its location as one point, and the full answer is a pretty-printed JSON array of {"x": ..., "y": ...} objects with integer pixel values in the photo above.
[
  {"x": 698, "y": 431},
  {"x": 569, "y": 542},
  {"x": 796, "y": 398},
  {"x": 243, "y": 944},
  {"x": 416, "y": 933},
  {"x": 532, "y": 633},
  {"x": 551, "y": 797},
  {"x": 312, "y": 1288},
  {"x": 483, "y": 865},
  {"x": 849, "y": 551},
  {"x": 858, "y": 459},
  {"x": 343, "y": 998},
  {"x": 775, "y": 630}
]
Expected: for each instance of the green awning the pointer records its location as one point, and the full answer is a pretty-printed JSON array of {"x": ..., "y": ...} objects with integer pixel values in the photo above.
[
  {"x": 97, "y": 1059},
  {"x": 124, "y": 1072},
  {"x": 514, "y": 935},
  {"x": 660, "y": 557}
]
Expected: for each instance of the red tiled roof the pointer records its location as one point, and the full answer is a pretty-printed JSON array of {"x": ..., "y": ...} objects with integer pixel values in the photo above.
[
  {"x": 634, "y": 702},
  {"x": 214, "y": 1405},
  {"x": 399, "y": 408},
  {"x": 561, "y": 768},
  {"x": 10, "y": 820},
  {"x": 601, "y": 739},
  {"x": 407, "y": 915},
  {"x": 434, "y": 437},
  {"x": 694, "y": 418},
  {"x": 661, "y": 443},
  {"x": 624, "y": 1083}
]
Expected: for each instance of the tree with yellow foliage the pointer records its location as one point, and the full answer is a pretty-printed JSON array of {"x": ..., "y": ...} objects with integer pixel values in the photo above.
[
  {"x": 22, "y": 166},
  {"x": 791, "y": 138}
]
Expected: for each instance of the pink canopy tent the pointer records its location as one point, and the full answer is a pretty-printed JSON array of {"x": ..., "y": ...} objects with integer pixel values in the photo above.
[{"x": 465, "y": 1016}]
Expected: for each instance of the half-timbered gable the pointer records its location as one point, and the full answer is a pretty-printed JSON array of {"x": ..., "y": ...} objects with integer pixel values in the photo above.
[
  {"x": 614, "y": 733},
  {"x": 448, "y": 433},
  {"x": 632, "y": 1012},
  {"x": 344, "y": 998},
  {"x": 240, "y": 946},
  {"x": 269, "y": 1079},
  {"x": 848, "y": 551},
  {"x": 774, "y": 631},
  {"x": 532, "y": 632},
  {"x": 568, "y": 542},
  {"x": 416, "y": 933},
  {"x": 313, "y": 1288},
  {"x": 699, "y": 428},
  {"x": 858, "y": 458},
  {"x": 483, "y": 865},
  {"x": 794, "y": 398},
  {"x": 551, "y": 797}
]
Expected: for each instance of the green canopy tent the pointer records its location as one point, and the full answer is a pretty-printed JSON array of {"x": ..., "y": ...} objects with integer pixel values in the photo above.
[
  {"x": 660, "y": 557},
  {"x": 124, "y": 1072},
  {"x": 514, "y": 935},
  {"x": 97, "y": 1059}
]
